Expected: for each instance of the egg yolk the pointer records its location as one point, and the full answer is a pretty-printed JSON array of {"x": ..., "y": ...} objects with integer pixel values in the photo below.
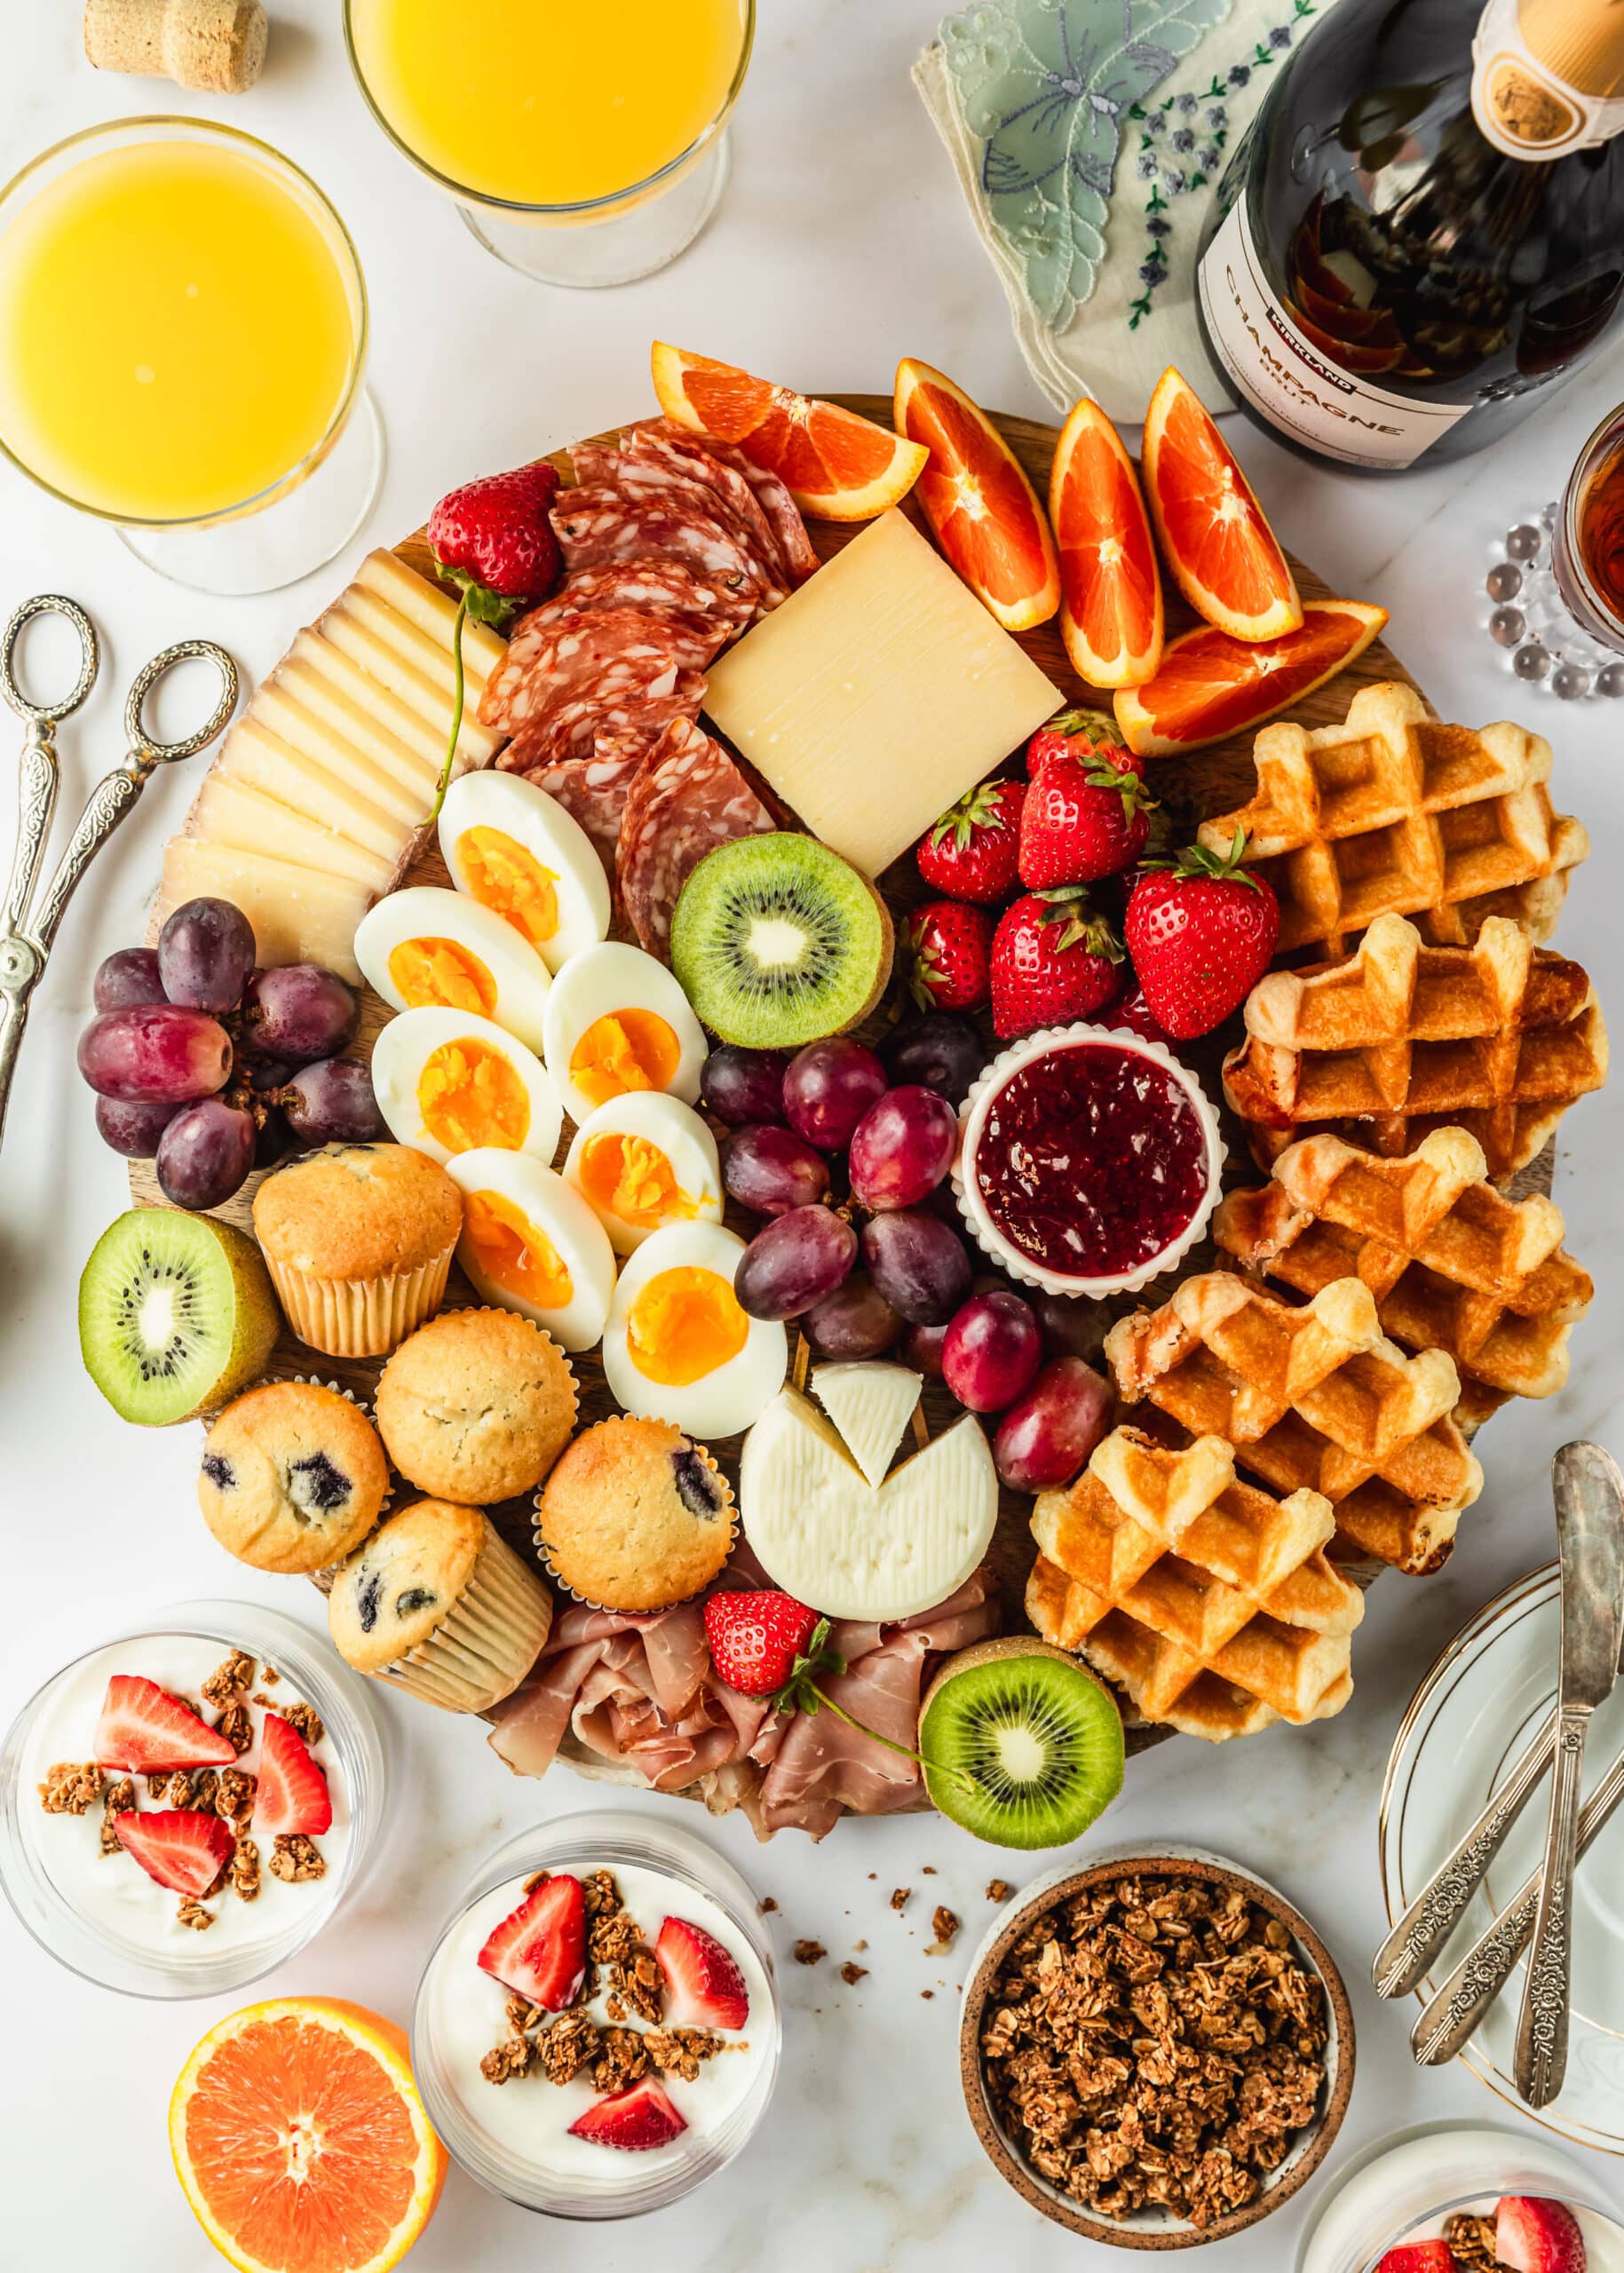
[
  {"x": 628, "y": 1177},
  {"x": 441, "y": 972},
  {"x": 624, "y": 1049},
  {"x": 683, "y": 1325},
  {"x": 515, "y": 1252},
  {"x": 470, "y": 1094},
  {"x": 503, "y": 876}
]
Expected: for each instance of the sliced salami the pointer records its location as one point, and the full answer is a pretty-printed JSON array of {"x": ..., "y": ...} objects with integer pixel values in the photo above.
[
  {"x": 600, "y": 524},
  {"x": 630, "y": 694},
  {"x": 651, "y": 455},
  {"x": 594, "y": 790},
  {"x": 569, "y": 653},
  {"x": 784, "y": 515},
  {"x": 688, "y": 797},
  {"x": 594, "y": 462}
]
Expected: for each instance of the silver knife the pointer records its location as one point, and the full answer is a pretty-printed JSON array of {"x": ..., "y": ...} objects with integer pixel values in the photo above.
[{"x": 1590, "y": 1548}]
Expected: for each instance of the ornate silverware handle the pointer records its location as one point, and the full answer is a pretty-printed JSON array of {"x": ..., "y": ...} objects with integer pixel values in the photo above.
[
  {"x": 106, "y": 805},
  {"x": 1542, "y": 2023},
  {"x": 37, "y": 797},
  {"x": 1405, "y": 1956}
]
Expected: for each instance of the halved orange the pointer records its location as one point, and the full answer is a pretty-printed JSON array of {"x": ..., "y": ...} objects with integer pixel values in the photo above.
[
  {"x": 834, "y": 464},
  {"x": 300, "y": 2140},
  {"x": 1111, "y": 612},
  {"x": 977, "y": 499},
  {"x": 1223, "y": 556},
  {"x": 1210, "y": 685}
]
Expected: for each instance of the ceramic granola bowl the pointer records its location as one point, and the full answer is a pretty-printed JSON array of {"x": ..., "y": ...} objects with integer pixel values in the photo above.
[{"x": 1154, "y": 2226}]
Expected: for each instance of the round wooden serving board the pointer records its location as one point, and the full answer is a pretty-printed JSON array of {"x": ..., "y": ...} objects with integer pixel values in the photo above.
[{"x": 1215, "y": 779}]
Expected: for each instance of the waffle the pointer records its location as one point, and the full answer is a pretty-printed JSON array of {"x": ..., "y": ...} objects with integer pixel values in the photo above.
[
  {"x": 1313, "y": 1399},
  {"x": 1400, "y": 1039},
  {"x": 1393, "y": 814},
  {"x": 1210, "y": 1603},
  {"x": 1451, "y": 1263}
]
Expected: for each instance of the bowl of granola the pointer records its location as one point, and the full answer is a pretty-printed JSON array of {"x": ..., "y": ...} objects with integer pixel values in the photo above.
[{"x": 1156, "y": 2050}]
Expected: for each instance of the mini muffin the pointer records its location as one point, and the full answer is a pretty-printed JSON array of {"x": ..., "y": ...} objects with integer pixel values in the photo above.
[
  {"x": 357, "y": 1239},
  {"x": 635, "y": 1517},
  {"x": 436, "y": 1602},
  {"x": 477, "y": 1406},
  {"x": 293, "y": 1477}
]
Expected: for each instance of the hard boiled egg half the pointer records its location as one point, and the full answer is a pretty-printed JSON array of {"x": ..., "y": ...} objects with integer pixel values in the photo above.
[
  {"x": 530, "y": 1244},
  {"x": 644, "y": 1160},
  {"x": 449, "y": 1082},
  {"x": 514, "y": 849},
  {"x": 679, "y": 1347},
  {"x": 427, "y": 948},
  {"x": 617, "y": 1020}
]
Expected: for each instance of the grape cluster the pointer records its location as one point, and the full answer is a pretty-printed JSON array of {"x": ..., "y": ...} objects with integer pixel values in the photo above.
[
  {"x": 905, "y": 1276},
  {"x": 209, "y": 1067}
]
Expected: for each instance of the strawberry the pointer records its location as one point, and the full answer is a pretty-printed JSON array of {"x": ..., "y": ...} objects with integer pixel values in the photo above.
[
  {"x": 1053, "y": 960},
  {"x": 1202, "y": 933},
  {"x": 184, "y": 1849},
  {"x": 540, "y": 1948},
  {"x": 291, "y": 1792},
  {"x": 634, "y": 2119},
  {"x": 1134, "y": 1012},
  {"x": 1534, "y": 2235},
  {"x": 1419, "y": 2257},
  {"x": 703, "y": 1986},
  {"x": 945, "y": 946},
  {"x": 1074, "y": 733},
  {"x": 970, "y": 852},
  {"x": 1086, "y": 815},
  {"x": 144, "y": 1729}
]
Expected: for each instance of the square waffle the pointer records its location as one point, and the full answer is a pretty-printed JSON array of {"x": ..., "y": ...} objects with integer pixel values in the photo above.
[
  {"x": 1452, "y": 1264},
  {"x": 1400, "y": 1038},
  {"x": 1314, "y": 1398},
  {"x": 1394, "y": 813},
  {"x": 1211, "y": 1604}
]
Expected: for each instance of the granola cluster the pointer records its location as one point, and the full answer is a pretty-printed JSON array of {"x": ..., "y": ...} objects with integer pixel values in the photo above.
[
  {"x": 1154, "y": 2040},
  {"x": 1470, "y": 2242}
]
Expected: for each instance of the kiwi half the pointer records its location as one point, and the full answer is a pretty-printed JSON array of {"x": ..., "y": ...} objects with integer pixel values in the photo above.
[
  {"x": 1038, "y": 1737},
  {"x": 177, "y": 1313},
  {"x": 778, "y": 941}
]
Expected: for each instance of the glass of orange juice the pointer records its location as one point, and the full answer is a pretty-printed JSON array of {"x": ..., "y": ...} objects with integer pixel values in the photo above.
[
  {"x": 183, "y": 328},
  {"x": 584, "y": 140}
]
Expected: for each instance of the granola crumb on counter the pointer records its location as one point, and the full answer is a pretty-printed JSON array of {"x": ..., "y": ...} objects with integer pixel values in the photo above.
[
  {"x": 305, "y": 1719},
  {"x": 297, "y": 1858},
  {"x": 851, "y": 1974},
  {"x": 193, "y": 1913},
  {"x": 927, "y": 1993},
  {"x": 927, "y": 1870},
  {"x": 945, "y": 1926},
  {"x": 234, "y": 1674},
  {"x": 999, "y": 1890},
  {"x": 899, "y": 1897},
  {"x": 71, "y": 1787},
  {"x": 808, "y": 1952},
  {"x": 860, "y": 1947},
  {"x": 236, "y": 1725},
  {"x": 233, "y": 1794},
  {"x": 766, "y": 1905},
  {"x": 243, "y": 1871}
]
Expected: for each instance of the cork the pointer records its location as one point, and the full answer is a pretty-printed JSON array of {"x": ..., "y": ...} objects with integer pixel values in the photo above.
[{"x": 216, "y": 47}]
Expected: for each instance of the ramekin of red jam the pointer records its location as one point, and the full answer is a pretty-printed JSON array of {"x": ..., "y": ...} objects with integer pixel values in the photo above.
[{"x": 1090, "y": 1161}]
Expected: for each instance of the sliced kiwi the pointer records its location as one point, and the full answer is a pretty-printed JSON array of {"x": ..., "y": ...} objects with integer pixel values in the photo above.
[
  {"x": 1022, "y": 1746},
  {"x": 778, "y": 941},
  {"x": 177, "y": 1313}
]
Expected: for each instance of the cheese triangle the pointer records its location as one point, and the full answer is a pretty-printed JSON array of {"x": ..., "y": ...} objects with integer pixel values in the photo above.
[{"x": 871, "y": 1405}]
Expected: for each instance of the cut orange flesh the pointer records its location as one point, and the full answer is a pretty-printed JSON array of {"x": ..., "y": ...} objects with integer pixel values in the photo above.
[
  {"x": 1223, "y": 554},
  {"x": 977, "y": 499},
  {"x": 1111, "y": 614},
  {"x": 1210, "y": 685},
  {"x": 834, "y": 464}
]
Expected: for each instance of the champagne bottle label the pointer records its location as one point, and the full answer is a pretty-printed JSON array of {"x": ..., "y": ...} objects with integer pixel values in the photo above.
[
  {"x": 1548, "y": 76},
  {"x": 1290, "y": 382}
]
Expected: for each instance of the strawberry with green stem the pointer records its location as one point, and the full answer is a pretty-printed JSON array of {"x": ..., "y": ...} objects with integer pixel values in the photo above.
[
  {"x": 971, "y": 853},
  {"x": 1087, "y": 811},
  {"x": 1053, "y": 960},
  {"x": 1201, "y": 929}
]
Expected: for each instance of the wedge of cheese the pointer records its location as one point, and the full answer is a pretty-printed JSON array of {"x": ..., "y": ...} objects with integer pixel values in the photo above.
[
  {"x": 877, "y": 695},
  {"x": 298, "y": 914},
  {"x": 871, "y": 1405},
  {"x": 826, "y": 1535}
]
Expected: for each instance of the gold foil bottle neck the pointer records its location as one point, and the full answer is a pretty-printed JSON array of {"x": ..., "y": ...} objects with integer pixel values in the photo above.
[{"x": 1578, "y": 41}]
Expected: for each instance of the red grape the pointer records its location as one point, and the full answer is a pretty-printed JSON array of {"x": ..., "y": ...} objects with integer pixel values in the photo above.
[
  {"x": 332, "y": 1102},
  {"x": 828, "y": 1088},
  {"x": 922, "y": 1348},
  {"x": 992, "y": 1350},
  {"x": 855, "y": 1321},
  {"x": 205, "y": 1152},
  {"x": 770, "y": 1170},
  {"x": 132, "y": 1130},
  {"x": 298, "y": 1011},
  {"x": 902, "y": 1148},
  {"x": 795, "y": 1262},
  {"x": 155, "y": 1053},
  {"x": 1046, "y": 1436},
  {"x": 128, "y": 977},
  {"x": 918, "y": 1263},
  {"x": 941, "y": 1049},
  {"x": 744, "y": 1085},
  {"x": 205, "y": 953},
  {"x": 1072, "y": 1327}
]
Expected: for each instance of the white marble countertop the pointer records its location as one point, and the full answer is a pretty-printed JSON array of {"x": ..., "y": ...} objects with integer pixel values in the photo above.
[{"x": 841, "y": 246}]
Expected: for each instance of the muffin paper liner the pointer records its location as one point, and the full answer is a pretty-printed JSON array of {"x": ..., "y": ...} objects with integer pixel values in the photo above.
[
  {"x": 651, "y": 1610},
  {"x": 487, "y": 1641},
  {"x": 359, "y": 1317}
]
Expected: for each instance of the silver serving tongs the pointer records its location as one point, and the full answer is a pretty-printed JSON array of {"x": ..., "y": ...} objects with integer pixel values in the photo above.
[{"x": 25, "y": 934}]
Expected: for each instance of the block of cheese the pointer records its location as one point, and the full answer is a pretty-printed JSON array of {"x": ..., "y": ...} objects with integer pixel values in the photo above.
[
  {"x": 877, "y": 695},
  {"x": 298, "y": 914},
  {"x": 232, "y": 813},
  {"x": 871, "y": 1405}
]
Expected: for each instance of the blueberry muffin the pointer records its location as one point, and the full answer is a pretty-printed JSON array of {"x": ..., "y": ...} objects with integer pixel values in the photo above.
[
  {"x": 477, "y": 1406},
  {"x": 635, "y": 1517},
  {"x": 437, "y": 1603},
  {"x": 357, "y": 1239},
  {"x": 293, "y": 1477}
]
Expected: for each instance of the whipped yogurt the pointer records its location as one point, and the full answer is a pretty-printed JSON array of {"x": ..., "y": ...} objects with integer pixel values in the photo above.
[
  {"x": 526, "y": 2120},
  {"x": 112, "y": 1893},
  {"x": 1406, "y": 2190}
]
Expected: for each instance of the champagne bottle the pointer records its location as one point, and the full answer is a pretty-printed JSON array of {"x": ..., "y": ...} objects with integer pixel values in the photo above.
[{"x": 1422, "y": 234}]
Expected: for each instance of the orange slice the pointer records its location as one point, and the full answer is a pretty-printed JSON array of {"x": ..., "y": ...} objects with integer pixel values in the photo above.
[
  {"x": 1224, "y": 557},
  {"x": 834, "y": 464},
  {"x": 1111, "y": 615},
  {"x": 300, "y": 2140},
  {"x": 977, "y": 499},
  {"x": 1210, "y": 685}
]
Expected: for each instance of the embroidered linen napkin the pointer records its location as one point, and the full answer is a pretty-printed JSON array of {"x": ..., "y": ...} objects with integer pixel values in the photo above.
[{"x": 1087, "y": 135}]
